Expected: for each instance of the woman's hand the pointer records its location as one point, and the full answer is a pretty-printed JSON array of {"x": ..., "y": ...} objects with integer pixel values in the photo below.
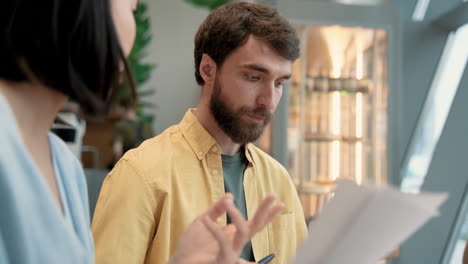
[{"x": 205, "y": 242}]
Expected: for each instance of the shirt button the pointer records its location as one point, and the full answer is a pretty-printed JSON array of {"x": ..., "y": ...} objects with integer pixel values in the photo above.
[
  {"x": 214, "y": 172},
  {"x": 200, "y": 153},
  {"x": 214, "y": 149}
]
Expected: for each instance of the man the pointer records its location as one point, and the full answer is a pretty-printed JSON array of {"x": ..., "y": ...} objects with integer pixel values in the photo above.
[{"x": 243, "y": 56}]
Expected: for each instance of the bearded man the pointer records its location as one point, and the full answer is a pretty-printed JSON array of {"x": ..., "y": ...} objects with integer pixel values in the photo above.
[{"x": 243, "y": 57}]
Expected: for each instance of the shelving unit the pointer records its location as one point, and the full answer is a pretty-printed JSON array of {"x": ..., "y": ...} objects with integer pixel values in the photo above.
[{"x": 337, "y": 111}]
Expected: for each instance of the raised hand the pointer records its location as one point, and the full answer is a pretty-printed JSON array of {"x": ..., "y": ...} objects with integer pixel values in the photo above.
[{"x": 205, "y": 242}]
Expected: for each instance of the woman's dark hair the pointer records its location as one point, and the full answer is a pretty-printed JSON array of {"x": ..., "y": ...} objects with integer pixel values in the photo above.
[
  {"x": 229, "y": 27},
  {"x": 71, "y": 46}
]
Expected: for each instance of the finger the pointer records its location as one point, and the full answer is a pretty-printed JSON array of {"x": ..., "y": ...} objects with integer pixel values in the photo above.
[
  {"x": 219, "y": 207},
  {"x": 263, "y": 215},
  {"x": 242, "y": 230},
  {"x": 262, "y": 209},
  {"x": 274, "y": 211},
  {"x": 257, "y": 225},
  {"x": 215, "y": 230},
  {"x": 225, "y": 249}
]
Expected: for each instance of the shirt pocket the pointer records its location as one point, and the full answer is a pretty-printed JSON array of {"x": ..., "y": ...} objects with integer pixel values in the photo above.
[{"x": 282, "y": 238}]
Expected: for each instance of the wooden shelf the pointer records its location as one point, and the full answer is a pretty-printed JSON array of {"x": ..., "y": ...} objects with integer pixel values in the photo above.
[
  {"x": 310, "y": 137},
  {"x": 316, "y": 188}
]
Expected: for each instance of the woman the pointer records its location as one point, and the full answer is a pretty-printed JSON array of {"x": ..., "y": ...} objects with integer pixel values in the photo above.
[{"x": 51, "y": 50}]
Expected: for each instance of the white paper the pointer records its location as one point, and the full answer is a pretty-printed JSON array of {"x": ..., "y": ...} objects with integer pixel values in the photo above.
[{"x": 363, "y": 224}]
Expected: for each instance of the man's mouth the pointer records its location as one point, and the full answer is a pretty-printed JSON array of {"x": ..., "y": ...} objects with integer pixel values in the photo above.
[{"x": 257, "y": 118}]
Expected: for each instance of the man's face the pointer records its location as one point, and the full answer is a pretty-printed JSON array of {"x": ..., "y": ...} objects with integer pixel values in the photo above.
[{"x": 247, "y": 90}]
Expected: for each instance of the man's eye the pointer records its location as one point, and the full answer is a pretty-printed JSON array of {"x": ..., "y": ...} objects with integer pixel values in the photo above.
[
  {"x": 279, "y": 85},
  {"x": 253, "y": 78}
]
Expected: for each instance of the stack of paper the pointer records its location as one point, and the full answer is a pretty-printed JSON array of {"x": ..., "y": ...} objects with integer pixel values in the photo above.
[{"x": 362, "y": 224}]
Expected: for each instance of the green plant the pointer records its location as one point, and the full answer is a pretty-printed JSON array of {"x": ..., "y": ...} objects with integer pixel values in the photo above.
[
  {"x": 210, "y": 4},
  {"x": 141, "y": 70}
]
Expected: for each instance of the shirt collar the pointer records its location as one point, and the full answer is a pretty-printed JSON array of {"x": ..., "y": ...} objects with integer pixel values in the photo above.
[
  {"x": 249, "y": 153},
  {"x": 197, "y": 137}
]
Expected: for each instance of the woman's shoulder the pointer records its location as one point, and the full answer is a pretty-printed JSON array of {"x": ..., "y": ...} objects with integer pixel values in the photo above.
[
  {"x": 9, "y": 127},
  {"x": 12, "y": 148}
]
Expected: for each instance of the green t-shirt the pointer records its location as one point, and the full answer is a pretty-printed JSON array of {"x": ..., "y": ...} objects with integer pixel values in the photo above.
[{"x": 233, "y": 171}]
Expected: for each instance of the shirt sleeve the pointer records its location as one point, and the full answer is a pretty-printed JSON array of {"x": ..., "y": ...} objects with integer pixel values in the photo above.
[{"x": 124, "y": 221}]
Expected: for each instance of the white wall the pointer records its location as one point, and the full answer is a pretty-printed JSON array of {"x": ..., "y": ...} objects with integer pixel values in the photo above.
[{"x": 174, "y": 24}]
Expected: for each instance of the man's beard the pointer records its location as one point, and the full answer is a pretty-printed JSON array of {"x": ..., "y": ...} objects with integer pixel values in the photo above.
[{"x": 232, "y": 122}]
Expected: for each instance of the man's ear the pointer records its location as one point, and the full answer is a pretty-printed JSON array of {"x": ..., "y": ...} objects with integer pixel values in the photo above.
[{"x": 207, "y": 69}]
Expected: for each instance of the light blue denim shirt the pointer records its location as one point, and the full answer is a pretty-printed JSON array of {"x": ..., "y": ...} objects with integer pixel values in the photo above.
[{"x": 33, "y": 229}]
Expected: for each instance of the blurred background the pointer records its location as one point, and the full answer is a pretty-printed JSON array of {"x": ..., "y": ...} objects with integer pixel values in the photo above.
[{"x": 378, "y": 96}]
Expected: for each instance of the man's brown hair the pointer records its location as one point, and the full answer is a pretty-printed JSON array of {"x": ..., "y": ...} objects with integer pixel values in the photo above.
[{"x": 229, "y": 27}]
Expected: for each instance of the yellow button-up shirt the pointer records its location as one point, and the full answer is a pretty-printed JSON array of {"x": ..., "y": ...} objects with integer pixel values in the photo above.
[{"x": 156, "y": 190}]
